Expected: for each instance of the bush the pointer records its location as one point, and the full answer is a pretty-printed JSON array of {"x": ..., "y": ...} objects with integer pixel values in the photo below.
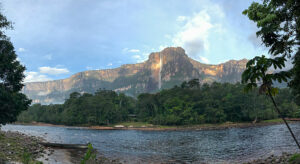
[{"x": 295, "y": 159}]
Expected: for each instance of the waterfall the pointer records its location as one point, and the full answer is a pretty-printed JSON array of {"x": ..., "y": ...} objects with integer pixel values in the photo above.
[{"x": 160, "y": 68}]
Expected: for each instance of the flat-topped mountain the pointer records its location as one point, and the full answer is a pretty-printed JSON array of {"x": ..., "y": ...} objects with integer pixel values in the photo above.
[{"x": 162, "y": 70}]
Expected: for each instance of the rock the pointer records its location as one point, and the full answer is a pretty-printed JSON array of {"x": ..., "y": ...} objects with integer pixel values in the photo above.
[
  {"x": 272, "y": 159},
  {"x": 174, "y": 57},
  {"x": 15, "y": 143},
  {"x": 119, "y": 126}
]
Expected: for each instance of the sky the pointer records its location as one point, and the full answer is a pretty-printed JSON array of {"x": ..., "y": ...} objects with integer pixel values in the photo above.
[{"x": 55, "y": 39}]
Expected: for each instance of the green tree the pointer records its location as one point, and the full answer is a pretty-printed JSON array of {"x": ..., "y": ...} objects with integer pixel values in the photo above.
[
  {"x": 278, "y": 22},
  {"x": 194, "y": 83},
  {"x": 256, "y": 71},
  {"x": 279, "y": 29},
  {"x": 12, "y": 102},
  {"x": 214, "y": 103}
]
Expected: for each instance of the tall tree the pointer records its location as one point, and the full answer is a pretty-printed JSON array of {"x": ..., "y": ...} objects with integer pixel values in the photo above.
[
  {"x": 278, "y": 22},
  {"x": 12, "y": 102},
  {"x": 256, "y": 71}
]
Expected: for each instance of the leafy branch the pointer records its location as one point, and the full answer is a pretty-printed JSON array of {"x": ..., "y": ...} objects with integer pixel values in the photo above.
[{"x": 256, "y": 71}]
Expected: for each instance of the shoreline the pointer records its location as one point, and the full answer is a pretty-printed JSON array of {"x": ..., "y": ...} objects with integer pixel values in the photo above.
[
  {"x": 52, "y": 155},
  {"x": 49, "y": 155},
  {"x": 19, "y": 147},
  {"x": 150, "y": 127},
  {"x": 16, "y": 147}
]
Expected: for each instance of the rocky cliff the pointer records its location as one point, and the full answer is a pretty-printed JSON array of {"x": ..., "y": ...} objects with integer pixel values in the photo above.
[{"x": 162, "y": 70}]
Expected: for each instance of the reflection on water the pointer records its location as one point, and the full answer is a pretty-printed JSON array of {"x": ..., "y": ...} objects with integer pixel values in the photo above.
[{"x": 233, "y": 144}]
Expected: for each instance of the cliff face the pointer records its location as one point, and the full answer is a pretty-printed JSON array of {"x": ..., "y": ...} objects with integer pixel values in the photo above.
[{"x": 162, "y": 70}]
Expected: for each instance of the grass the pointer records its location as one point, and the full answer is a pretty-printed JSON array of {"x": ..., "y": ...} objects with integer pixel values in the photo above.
[
  {"x": 295, "y": 159},
  {"x": 278, "y": 120},
  {"x": 12, "y": 147},
  {"x": 26, "y": 157},
  {"x": 15, "y": 148},
  {"x": 89, "y": 156}
]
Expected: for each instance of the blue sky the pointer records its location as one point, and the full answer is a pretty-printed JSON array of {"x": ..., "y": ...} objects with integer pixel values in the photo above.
[{"x": 55, "y": 39}]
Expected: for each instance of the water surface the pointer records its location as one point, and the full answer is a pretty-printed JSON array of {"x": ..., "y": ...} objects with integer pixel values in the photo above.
[{"x": 191, "y": 146}]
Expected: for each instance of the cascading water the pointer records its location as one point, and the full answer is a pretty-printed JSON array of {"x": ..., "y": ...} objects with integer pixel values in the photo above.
[{"x": 160, "y": 68}]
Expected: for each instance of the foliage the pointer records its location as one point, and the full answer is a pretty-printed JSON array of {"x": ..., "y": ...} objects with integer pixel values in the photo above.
[
  {"x": 11, "y": 76},
  {"x": 215, "y": 103},
  {"x": 256, "y": 71},
  {"x": 294, "y": 159},
  {"x": 295, "y": 83},
  {"x": 23, "y": 148},
  {"x": 26, "y": 157},
  {"x": 102, "y": 108},
  {"x": 278, "y": 22},
  {"x": 185, "y": 105},
  {"x": 89, "y": 155}
]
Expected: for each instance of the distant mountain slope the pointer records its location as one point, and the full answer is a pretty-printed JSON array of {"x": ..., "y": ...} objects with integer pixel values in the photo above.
[{"x": 162, "y": 70}]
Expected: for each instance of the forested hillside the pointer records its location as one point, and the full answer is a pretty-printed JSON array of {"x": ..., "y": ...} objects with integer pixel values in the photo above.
[{"x": 187, "y": 104}]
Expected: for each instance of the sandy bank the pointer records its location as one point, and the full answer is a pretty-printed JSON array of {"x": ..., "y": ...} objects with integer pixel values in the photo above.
[{"x": 165, "y": 128}]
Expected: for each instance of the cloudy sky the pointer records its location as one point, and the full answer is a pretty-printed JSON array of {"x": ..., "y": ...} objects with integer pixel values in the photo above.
[{"x": 55, "y": 39}]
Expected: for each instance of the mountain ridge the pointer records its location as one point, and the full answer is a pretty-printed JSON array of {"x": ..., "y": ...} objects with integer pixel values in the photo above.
[{"x": 162, "y": 70}]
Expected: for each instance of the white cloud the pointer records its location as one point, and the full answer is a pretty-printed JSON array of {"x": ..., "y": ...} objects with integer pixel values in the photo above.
[
  {"x": 21, "y": 50},
  {"x": 204, "y": 59},
  {"x": 181, "y": 18},
  {"x": 127, "y": 50},
  {"x": 53, "y": 70},
  {"x": 134, "y": 50},
  {"x": 89, "y": 68},
  {"x": 161, "y": 47},
  {"x": 136, "y": 57},
  {"x": 19, "y": 60},
  {"x": 194, "y": 34},
  {"x": 196, "y": 30},
  {"x": 109, "y": 64},
  {"x": 42, "y": 74},
  {"x": 140, "y": 58},
  {"x": 136, "y": 54},
  {"x": 35, "y": 77}
]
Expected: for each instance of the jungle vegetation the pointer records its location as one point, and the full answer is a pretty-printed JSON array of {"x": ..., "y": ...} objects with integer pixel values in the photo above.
[{"x": 190, "y": 103}]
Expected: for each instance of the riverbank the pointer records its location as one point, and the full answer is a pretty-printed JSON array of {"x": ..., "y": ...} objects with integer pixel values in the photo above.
[
  {"x": 18, "y": 147},
  {"x": 282, "y": 159},
  {"x": 236, "y": 145},
  {"x": 151, "y": 127}
]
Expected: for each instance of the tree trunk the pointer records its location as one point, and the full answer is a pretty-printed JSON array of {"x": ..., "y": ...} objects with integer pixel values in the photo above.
[{"x": 278, "y": 111}]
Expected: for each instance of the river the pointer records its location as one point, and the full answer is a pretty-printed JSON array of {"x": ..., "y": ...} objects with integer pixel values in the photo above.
[{"x": 191, "y": 146}]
